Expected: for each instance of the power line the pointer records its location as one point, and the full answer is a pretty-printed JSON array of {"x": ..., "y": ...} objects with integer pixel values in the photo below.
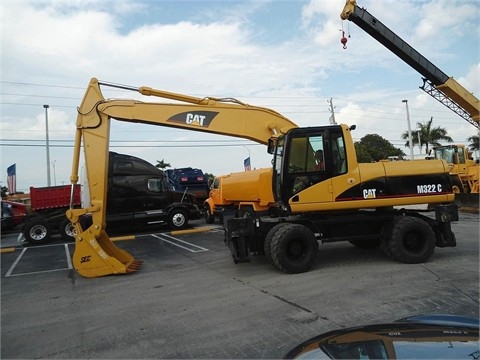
[{"x": 136, "y": 146}]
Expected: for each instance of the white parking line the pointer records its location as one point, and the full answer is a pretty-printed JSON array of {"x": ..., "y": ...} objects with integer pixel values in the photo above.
[
  {"x": 174, "y": 241},
  {"x": 69, "y": 258},
  {"x": 9, "y": 272},
  {"x": 17, "y": 260}
]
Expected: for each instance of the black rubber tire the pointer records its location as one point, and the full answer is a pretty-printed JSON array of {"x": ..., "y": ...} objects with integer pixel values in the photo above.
[
  {"x": 366, "y": 244},
  {"x": 37, "y": 230},
  {"x": 177, "y": 219},
  {"x": 267, "y": 242},
  {"x": 209, "y": 217},
  {"x": 412, "y": 240},
  {"x": 457, "y": 185},
  {"x": 67, "y": 230},
  {"x": 294, "y": 248}
]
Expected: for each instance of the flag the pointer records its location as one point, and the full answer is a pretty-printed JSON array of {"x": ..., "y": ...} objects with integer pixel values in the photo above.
[
  {"x": 246, "y": 164},
  {"x": 12, "y": 179}
]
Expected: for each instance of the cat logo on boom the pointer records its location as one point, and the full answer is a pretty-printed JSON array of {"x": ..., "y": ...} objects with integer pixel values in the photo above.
[{"x": 194, "y": 118}]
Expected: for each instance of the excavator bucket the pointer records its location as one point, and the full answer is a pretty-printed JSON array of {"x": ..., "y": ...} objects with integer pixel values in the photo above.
[{"x": 96, "y": 255}]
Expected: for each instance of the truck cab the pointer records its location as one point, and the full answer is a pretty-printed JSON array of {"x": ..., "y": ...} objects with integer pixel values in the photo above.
[
  {"x": 138, "y": 192},
  {"x": 138, "y": 195}
]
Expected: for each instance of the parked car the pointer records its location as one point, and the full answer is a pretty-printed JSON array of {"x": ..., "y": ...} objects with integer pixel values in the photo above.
[
  {"x": 13, "y": 214},
  {"x": 432, "y": 336}
]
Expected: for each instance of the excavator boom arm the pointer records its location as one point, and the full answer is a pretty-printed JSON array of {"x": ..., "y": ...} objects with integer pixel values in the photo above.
[{"x": 95, "y": 254}]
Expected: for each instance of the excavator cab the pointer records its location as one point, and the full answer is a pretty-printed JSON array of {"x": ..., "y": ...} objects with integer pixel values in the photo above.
[{"x": 305, "y": 157}]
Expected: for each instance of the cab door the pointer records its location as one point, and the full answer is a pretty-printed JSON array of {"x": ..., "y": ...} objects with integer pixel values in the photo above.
[{"x": 307, "y": 168}]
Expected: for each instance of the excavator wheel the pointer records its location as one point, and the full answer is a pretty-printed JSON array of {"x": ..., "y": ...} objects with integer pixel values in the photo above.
[
  {"x": 294, "y": 248},
  {"x": 457, "y": 185},
  {"x": 267, "y": 242},
  {"x": 412, "y": 240}
]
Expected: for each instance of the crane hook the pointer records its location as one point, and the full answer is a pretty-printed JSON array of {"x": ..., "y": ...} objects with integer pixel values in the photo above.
[{"x": 344, "y": 40}]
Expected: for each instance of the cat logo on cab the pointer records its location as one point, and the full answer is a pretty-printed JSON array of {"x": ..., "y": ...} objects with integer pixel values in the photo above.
[{"x": 369, "y": 193}]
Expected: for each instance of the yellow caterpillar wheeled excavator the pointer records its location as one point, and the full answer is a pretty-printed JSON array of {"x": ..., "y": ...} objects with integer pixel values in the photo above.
[{"x": 342, "y": 200}]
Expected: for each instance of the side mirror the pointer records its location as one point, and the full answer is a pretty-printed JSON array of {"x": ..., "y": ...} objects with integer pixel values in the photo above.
[{"x": 271, "y": 146}]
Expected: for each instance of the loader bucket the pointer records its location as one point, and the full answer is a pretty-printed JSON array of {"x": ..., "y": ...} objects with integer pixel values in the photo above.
[{"x": 96, "y": 255}]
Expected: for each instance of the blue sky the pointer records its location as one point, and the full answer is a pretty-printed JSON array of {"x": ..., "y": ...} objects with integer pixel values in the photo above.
[{"x": 285, "y": 55}]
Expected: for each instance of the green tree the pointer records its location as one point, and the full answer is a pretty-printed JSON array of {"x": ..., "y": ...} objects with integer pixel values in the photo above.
[
  {"x": 363, "y": 155},
  {"x": 373, "y": 147},
  {"x": 473, "y": 140},
  {"x": 210, "y": 178},
  {"x": 162, "y": 164},
  {"x": 428, "y": 135}
]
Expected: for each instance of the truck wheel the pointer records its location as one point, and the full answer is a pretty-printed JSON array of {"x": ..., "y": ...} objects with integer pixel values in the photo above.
[
  {"x": 37, "y": 230},
  {"x": 177, "y": 219},
  {"x": 294, "y": 248},
  {"x": 67, "y": 230},
  {"x": 412, "y": 240},
  {"x": 267, "y": 243},
  {"x": 209, "y": 218}
]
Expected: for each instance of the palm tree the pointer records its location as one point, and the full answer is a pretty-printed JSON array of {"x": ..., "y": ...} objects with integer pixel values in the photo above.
[
  {"x": 162, "y": 164},
  {"x": 473, "y": 140},
  {"x": 428, "y": 135}
]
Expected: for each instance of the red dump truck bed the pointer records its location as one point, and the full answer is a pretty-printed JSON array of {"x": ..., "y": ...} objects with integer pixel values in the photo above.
[{"x": 53, "y": 197}]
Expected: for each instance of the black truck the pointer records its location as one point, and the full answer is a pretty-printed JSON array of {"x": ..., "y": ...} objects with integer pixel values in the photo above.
[{"x": 138, "y": 195}]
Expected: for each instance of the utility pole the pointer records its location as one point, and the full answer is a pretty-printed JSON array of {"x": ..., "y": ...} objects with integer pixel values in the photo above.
[
  {"x": 49, "y": 182},
  {"x": 332, "y": 112},
  {"x": 410, "y": 143}
]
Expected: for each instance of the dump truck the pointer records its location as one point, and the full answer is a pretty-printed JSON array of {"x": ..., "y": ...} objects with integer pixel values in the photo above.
[
  {"x": 189, "y": 179},
  {"x": 138, "y": 195},
  {"x": 247, "y": 191},
  {"x": 344, "y": 201}
]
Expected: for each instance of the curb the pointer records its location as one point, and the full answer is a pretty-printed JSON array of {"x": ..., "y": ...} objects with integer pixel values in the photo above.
[
  {"x": 191, "y": 231},
  {"x": 7, "y": 250}
]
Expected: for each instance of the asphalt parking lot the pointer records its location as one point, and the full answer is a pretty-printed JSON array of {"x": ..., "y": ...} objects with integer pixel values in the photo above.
[{"x": 189, "y": 300}]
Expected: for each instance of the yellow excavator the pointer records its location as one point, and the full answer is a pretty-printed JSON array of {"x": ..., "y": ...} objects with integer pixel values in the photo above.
[{"x": 342, "y": 200}]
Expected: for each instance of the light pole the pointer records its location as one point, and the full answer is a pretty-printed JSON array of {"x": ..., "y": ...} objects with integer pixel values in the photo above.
[
  {"x": 409, "y": 131},
  {"x": 54, "y": 175},
  {"x": 49, "y": 182}
]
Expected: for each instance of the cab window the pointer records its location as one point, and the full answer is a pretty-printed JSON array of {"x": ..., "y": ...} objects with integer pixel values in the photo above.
[
  {"x": 155, "y": 184},
  {"x": 306, "y": 154}
]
